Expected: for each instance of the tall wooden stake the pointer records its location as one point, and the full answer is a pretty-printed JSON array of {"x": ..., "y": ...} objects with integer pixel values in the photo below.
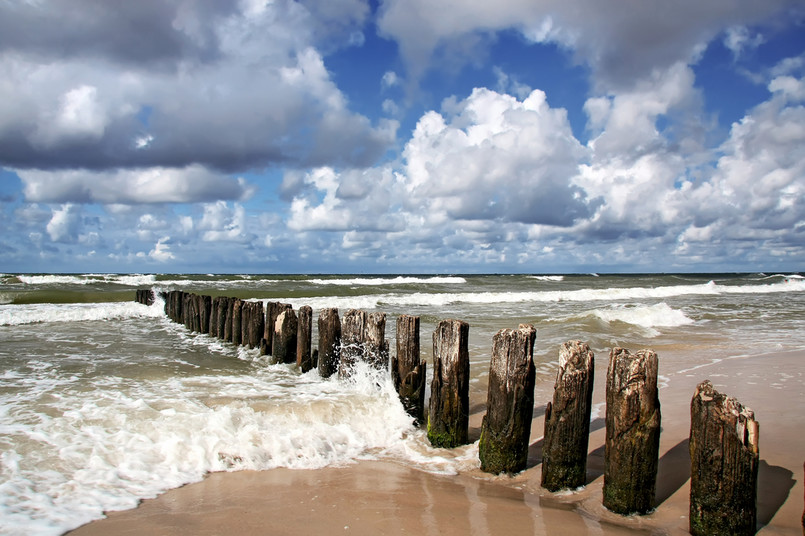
[
  {"x": 723, "y": 465},
  {"x": 449, "y": 407},
  {"x": 407, "y": 368},
  {"x": 567, "y": 419},
  {"x": 632, "y": 432},
  {"x": 329, "y": 341},
  {"x": 506, "y": 427},
  {"x": 304, "y": 356}
]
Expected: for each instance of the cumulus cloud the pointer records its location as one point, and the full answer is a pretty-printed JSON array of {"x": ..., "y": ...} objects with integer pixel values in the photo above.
[
  {"x": 133, "y": 186},
  {"x": 65, "y": 224},
  {"x": 496, "y": 158},
  {"x": 161, "y": 251},
  {"x": 620, "y": 45},
  {"x": 221, "y": 223},
  {"x": 172, "y": 84}
]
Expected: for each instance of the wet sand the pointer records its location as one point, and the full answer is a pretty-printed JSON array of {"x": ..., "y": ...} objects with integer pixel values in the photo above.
[{"x": 382, "y": 497}]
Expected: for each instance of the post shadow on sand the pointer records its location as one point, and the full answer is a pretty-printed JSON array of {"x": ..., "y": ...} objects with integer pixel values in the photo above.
[
  {"x": 774, "y": 483},
  {"x": 673, "y": 471},
  {"x": 535, "y": 448}
]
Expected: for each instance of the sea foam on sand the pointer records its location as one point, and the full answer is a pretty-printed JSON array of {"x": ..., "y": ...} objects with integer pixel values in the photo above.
[{"x": 380, "y": 497}]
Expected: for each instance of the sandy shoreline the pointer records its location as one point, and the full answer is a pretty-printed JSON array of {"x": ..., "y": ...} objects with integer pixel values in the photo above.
[{"x": 381, "y": 497}]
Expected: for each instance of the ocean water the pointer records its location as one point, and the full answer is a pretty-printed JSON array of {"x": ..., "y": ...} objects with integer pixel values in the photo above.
[{"x": 104, "y": 401}]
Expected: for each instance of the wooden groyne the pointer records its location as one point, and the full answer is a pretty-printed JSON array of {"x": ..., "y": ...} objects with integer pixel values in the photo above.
[{"x": 723, "y": 435}]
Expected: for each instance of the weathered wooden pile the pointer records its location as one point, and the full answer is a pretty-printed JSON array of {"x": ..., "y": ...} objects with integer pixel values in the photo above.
[
  {"x": 144, "y": 296},
  {"x": 723, "y": 437}
]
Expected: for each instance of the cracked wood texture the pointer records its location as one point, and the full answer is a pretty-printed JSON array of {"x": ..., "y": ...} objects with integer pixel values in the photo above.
[
  {"x": 449, "y": 406},
  {"x": 506, "y": 427},
  {"x": 407, "y": 368},
  {"x": 723, "y": 464},
  {"x": 304, "y": 338},
  {"x": 567, "y": 419},
  {"x": 329, "y": 341},
  {"x": 632, "y": 443}
]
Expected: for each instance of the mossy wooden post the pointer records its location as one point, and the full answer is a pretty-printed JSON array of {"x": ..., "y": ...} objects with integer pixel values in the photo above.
[
  {"x": 506, "y": 427},
  {"x": 375, "y": 346},
  {"x": 632, "y": 445},
  {"x": 449, "y": 406},
  {"x": 567, "y": 419},
  {"x": 304, "y": 356},
  {"x": 283, "y": 345},
  {"x": 723, "y": 465},
  {"x": 407, "y": 368},
  {"x": 353, "y": 329},
  {"x": 329, "y": 341}
]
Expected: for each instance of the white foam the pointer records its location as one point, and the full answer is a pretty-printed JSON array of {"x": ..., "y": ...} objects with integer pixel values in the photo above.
[
  {"x": 648, "y": 317},
  {"x": 87, "y": 279},
  {"x": 552, "y": 278},
  {"x": 90, "y": 450},
  {"x": 555, "y": 296},
  {"x": 16, "y": 314},
  {"x": 399, "y": 280}
]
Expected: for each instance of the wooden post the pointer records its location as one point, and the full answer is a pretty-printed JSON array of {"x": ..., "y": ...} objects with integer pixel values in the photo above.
[
  {"x": 256, "y": 325},
  {"x": 245, "y": 318},
  {"x": 329, "y": 341},
  {"x": 567, "y": 419},
  {"x": 205, "y": 311},
  {"x": 188, "y": 310},
  {"x": 228, "y": 317},
  {"x": 353, "y": 327},
  {"x": 304, "y": 357},
  {"x": 506, "y": 427},
  {"x": 407, "y": 369},
  {"x": 449, "y": 407},
  {"x": 237, "y": 328},
  {"x": 723, "y": 464},
  {"x": 632, "y": 445},
  {"x": 283, "y": 344},
  {"x": 273, "y": 309},
  {"x": 375, "y": 346},
  {"x": 176, "y": 306},
  {"x": 144, "y": 296}
]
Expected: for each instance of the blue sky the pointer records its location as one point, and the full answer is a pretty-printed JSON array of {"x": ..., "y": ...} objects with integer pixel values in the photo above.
[{"x": 399, "y": 136}]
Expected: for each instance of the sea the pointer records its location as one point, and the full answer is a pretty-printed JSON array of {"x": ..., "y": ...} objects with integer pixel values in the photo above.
[{"x": 105, "y": 401}]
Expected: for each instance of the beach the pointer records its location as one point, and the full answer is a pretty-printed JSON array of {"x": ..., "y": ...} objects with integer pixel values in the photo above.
[
  {"x": 115, "y": 418},
  {"x": 376, "y": 497}
]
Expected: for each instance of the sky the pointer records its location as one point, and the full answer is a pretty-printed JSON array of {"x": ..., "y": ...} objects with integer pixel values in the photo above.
[{"x": 402, "y": 136}]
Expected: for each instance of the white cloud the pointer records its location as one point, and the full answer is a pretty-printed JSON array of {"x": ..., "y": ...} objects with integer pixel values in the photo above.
[
  {"x": 222, "y": 224},
  {"x": 65, "y": 224},
  {"x": 620, "y": 45},
  {"x": 739, "y": 38},
  {"x": 161, "y": 251},
  {"x": 192, "y": 92},
  {"x": 496, "y": 158},
  {"x": 791, "y": 88},
  {"x": 151, "y": 185},
  {"x": 389, "y": 79}
]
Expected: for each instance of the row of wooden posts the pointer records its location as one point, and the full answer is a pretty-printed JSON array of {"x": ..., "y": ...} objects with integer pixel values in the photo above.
[{"x": 723, "y": 437}]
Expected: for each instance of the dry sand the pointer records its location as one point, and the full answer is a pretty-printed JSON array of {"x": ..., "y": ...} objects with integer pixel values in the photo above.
[{"x": 380, "y": 497}]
